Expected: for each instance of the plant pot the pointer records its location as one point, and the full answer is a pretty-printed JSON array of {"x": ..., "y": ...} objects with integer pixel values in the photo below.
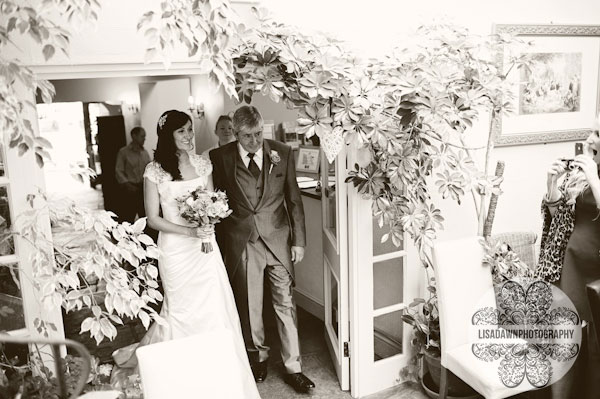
[
  {"x": 456, "y": 386},
  {"x": 432, "y": 390}
]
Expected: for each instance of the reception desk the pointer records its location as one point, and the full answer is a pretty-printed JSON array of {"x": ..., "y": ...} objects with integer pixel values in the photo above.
[{"x": 309, "y": 272}]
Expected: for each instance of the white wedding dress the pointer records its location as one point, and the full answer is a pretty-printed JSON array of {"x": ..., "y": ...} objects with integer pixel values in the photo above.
[{"x": 197, "y": 294}]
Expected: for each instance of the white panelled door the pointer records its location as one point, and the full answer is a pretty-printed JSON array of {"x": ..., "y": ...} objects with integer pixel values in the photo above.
[
  {"x": 335, "y": 264},
  {"x": 381, "y": 280}
]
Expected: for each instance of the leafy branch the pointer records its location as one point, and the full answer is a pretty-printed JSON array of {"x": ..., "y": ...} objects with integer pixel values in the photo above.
[
  {"x": 205, "y": 28},
  {"x": 34, "y": 22},
  {"x": 84, "y": 265}
]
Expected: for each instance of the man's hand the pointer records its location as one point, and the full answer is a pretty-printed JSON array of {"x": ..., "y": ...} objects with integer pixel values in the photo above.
[{"x": 297, "y": 254}]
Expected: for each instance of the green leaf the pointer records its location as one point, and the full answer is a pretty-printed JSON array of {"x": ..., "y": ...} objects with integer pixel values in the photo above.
[
  {"x": 42, "y": 141},
  {"x": 416, "y": 301},
  {"x": 23, "y": 148},
  {"x": 23, "y": 26},
  {"x": 12, "y": 21},
  {"x": 39, "y": 160},
  {"x": 48, "y": 51}
]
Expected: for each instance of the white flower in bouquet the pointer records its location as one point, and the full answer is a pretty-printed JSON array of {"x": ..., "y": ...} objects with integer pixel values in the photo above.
[{"x": 204, "y": 208}]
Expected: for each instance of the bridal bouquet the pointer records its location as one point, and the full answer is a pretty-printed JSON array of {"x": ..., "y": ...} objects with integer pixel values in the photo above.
[{"x": 203, "y": 208}]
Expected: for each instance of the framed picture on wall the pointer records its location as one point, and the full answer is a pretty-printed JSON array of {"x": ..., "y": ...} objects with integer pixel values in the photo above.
[
  {"x": 269, "y": 129},
  {"x": 557, "y": 99},
  {"x": 308, "y": 159}
]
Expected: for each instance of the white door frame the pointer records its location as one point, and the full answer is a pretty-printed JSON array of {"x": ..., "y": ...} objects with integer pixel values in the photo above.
[
  {"x": 335, "y": 266},
  {"x": 24, "y": 177}
]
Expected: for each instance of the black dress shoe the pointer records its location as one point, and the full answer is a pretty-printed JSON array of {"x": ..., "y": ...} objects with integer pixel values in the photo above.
[
  {"x": 259, "y": 369},
  {"x": 299, "y": 382}
]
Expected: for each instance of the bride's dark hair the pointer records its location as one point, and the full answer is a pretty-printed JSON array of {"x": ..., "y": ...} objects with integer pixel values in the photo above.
[{"x": 166, "y": 151}]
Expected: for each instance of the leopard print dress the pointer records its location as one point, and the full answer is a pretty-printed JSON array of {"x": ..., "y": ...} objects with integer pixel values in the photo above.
[{"x": 556, "y": 232}]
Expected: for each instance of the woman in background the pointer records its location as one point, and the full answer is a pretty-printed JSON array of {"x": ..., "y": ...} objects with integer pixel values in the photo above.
[
  {"x": 223, "y": 131},
  {"x": 572, "y": 234}
]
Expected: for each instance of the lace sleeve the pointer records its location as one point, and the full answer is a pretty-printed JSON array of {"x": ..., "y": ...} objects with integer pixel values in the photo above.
[
  {"x": 202, "y": 164},
  {"x": 155, "y": 173}
]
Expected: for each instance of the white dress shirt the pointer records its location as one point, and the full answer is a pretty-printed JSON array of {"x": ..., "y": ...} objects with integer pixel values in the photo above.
[{"x": 258, "y": 156}]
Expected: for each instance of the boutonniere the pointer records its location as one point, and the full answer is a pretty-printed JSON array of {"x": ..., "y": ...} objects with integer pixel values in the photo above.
[{"x": 275, "y": 159}]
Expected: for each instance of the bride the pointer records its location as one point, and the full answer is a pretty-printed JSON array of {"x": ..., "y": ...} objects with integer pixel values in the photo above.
[{"x": 197, "y": 295}]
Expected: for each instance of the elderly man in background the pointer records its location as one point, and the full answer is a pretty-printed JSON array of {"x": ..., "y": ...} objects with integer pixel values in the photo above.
[{"x": 129, "y": 170}]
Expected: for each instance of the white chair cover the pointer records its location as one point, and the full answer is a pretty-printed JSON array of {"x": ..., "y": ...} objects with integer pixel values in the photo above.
[
  {"x": 194, "y": 367},
  {"x": 464, "y": 285}
]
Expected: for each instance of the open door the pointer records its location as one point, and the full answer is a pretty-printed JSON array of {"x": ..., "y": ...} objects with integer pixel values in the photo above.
[
  {"x": 382, "y": 278},
  {"x": 335, "y": 264}
]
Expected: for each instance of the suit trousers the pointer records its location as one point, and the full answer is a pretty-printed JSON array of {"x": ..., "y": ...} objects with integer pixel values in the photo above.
[
  {"x": 248, "y": 288},
  {"x": 132, "y": 204}
]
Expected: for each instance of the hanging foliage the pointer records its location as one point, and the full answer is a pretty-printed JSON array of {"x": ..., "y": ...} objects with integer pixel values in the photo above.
[
  {"x": 205, "y": 28},
  {"x": 407, "y": 114},
  {"x": 39, "y": 22},
  {"x": 92, "y": 262}
]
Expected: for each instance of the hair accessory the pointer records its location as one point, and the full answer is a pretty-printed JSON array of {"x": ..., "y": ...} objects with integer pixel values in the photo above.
[{"x": 162, "y": 120}]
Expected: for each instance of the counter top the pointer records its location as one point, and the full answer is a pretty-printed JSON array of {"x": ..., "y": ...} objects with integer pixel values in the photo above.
[{"x": 311, "y": 193}]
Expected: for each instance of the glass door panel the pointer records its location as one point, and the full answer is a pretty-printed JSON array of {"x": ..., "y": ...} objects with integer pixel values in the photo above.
[
  {"x": 387, "y": 283},
  {"x": 387, "y": 335},
  {"x": 381, "y": 248},
  {"x": 330, "y": 210}
]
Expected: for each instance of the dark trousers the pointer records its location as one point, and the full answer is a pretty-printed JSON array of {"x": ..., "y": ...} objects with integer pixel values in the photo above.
[{"x": 131, "y": 203}]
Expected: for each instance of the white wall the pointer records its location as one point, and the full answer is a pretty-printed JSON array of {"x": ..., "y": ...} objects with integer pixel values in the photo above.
[
  {"x": 376, "y": 26},
  {"x": 120, "y": 90},
  {"x": 156, "y": 98}
]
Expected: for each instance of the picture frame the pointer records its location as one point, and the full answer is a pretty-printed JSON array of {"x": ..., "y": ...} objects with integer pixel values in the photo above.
[
  {"x": 308, "y": 159},
  {"x": 269, "y": 129},
  {"x": 559, "y": 97}
]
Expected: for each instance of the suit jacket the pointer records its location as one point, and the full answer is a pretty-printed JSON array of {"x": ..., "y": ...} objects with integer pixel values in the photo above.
[{"x": 279, "y": 215}]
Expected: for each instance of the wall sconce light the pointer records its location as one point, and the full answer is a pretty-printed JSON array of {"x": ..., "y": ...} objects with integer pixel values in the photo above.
[
  {"x": 133, "y": 108},
  {"x": 196, "y": 108}
]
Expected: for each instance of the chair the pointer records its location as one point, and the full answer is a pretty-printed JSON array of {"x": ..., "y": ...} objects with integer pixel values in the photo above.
[
  {"x": 593, "y": 293},
  {"x": 523, "y": 243},
  {"x": 464, "y": 286},
  {"x": 191, "y": 367},
  {"x": 58, "y": 362}
]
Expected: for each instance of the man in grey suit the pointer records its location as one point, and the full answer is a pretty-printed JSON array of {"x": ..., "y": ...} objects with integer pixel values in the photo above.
[{"x": 265, "y": 235}]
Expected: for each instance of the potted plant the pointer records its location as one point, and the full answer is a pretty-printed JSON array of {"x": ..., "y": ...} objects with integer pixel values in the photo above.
[{"x": 422, "y": 315}]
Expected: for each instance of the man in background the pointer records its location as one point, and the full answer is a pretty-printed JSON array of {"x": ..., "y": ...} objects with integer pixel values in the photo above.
[{"x": 129, "y": 172}]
